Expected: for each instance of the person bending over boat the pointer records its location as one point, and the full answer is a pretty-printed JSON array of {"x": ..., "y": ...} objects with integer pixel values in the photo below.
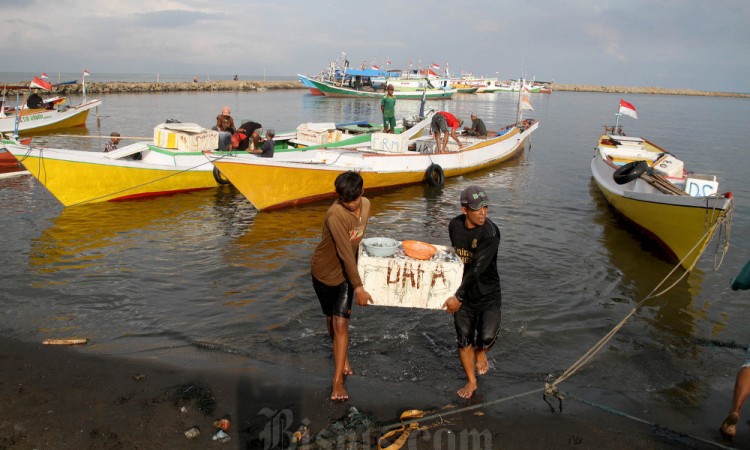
[
  {"x": 334, "y": 270},
  {"x": 476, "y": 304},
  {"x": 35, "y": 101},
  {"x": 225, "y": 127},
  {"x": 445, "y": 123},
  {"x": 266, "y": 150},
  {"x": 246, "y": 137},
  {"x": 477, "y": 128}
]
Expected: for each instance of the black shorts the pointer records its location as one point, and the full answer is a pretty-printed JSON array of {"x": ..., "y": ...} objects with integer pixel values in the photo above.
[
  {"x": 477, "y": 328},
  {"x": 334, "y": 300},
  {"x": 439, "y": 124}
]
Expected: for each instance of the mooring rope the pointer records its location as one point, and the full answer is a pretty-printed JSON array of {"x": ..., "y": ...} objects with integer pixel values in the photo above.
[{"x": 551, "y": 388}]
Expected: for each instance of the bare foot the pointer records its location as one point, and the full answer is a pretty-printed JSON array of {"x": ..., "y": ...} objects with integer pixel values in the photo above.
[
  {"x": 729, "y": 427},
  {"x": 338, "y": 393},
  {"x": 467, "y": 391},
  {"x": 347, "y": 368},
  {"x": 483, "y": 366}
]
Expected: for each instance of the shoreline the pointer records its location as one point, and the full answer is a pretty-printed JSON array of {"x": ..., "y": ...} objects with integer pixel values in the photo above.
[
  {"x": 241, "y": 85},
  {"x": 59, "y": 397}
]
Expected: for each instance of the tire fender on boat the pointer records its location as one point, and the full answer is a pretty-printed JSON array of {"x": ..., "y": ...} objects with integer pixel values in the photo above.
[
  {"x": 219, "y": 177},
  {"x": 630, "y": 172},
  {"x": 435, "y": 175}
]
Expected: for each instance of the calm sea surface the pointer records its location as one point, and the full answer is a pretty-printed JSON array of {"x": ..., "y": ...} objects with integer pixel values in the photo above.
[{"x": 203, "y": 277}]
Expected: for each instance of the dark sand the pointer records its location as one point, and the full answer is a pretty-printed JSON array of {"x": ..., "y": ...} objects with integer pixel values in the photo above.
[{"x": 62, "y": 398}]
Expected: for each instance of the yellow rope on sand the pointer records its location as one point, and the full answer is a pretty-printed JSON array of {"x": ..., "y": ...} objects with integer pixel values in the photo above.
[{"x": 405, "y": 430}]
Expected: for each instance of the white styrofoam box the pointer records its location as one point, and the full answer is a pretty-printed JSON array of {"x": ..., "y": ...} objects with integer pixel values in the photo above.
[
  {"x": 387, "y": 142},
  {"x": 669, "y": 166},
  {"x": 406, "y": 282},
  {"x": 697, "y": 187},
  {"x": 188, "y": 137}
]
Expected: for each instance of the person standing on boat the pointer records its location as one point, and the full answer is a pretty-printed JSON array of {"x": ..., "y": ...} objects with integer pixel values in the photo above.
[
  {"x": 111, "y": 145},
  {"x": 446, "y": 124},
  {"x": 266, "y": 149},
  {"x": 247, "y": 136},
  {"x": 334, "y": 270},
  {"x": 225, "y": 127},
  {"x": 477, "y": 128},
  {"x": 388, "y": 107},
  {"x": 476, "y": 304}
]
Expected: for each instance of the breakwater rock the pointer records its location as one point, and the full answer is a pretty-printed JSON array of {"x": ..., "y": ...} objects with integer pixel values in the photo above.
[
  {"x": 642, "y": 90},
  {"x": 179, "y": 86},
  {"x": 231, "y": 85}
]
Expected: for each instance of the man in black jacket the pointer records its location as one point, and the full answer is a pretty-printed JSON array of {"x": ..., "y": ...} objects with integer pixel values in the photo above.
[{"x": 476, "y": 304}]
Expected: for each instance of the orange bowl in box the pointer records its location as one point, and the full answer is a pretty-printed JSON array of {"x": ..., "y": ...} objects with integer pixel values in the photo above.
[{"x": 419, "y": 249}]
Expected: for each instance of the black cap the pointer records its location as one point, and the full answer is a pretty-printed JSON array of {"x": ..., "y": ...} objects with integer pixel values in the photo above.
[{"x": 474, "y": 197}]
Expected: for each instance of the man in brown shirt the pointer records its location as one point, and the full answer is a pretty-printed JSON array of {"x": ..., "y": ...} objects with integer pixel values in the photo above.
[{"x": 334, "y": 270}]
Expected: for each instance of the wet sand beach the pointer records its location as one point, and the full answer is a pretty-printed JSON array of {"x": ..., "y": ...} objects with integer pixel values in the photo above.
[{"x": 59, "y": 397}]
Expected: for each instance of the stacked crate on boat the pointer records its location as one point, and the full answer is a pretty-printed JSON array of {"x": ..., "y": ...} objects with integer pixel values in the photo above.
[{"x": 186, "y": 137}]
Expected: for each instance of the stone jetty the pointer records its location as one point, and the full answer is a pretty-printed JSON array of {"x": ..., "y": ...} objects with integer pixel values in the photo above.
[
  {"x": 231, "y": 85},
  {"x": 642, "y": 90}
]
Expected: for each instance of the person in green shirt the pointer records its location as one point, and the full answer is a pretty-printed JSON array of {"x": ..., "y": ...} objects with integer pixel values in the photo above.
[{"x": 388, "y": 106}]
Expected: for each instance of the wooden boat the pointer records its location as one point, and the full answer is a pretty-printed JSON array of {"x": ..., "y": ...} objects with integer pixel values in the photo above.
[
  {"x": 333, "y": 89},
  {"x": 35, "y": 120},
  {"x": 651, "y": 188},
  {"x": 388, "y": 160},
  {"x": 174, "y": 162},
  {"x": 77, "y": 177}
]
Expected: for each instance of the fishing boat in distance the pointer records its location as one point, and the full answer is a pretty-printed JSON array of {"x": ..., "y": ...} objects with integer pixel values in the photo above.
[
  {"x": 386, "y": 161},
  {"x": 405, "y": 89},
  {"x": 54, "y": 113},
  {"x": 650, "y": 187}
]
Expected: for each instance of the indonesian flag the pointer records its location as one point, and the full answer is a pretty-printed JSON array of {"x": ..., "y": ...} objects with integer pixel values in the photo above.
[
  {"x": 388, "y": 63},
  {"x": 44, "y": 76},
  {"x": 435, "y": 66},
  {"x": 41, "y": 84},
  {"x": 374, "y": 67},
  {"x": 627, "y": 109},
  {"x": 85, "y": 73},
  {"x": 525, "y": 104}
]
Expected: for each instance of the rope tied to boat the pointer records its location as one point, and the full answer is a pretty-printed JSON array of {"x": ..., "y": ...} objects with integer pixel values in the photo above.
[{"x": 551, "y": 388}]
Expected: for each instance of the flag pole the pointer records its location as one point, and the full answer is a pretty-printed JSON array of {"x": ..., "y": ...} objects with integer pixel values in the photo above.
[
  {"x": 617, "y": 122},
  {"x": 83, "y": 82}
]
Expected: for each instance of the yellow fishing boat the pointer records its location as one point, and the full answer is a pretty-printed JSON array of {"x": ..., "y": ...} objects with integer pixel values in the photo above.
[{"x": 649, "y": 186}]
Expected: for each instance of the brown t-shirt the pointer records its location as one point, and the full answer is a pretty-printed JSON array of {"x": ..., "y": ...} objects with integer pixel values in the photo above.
[
  {"x": 225, "y": 123},
  {"x": 335, "y": 258}
]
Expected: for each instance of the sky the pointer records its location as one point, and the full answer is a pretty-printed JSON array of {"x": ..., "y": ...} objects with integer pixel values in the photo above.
[{"x": 679, "y": 44}]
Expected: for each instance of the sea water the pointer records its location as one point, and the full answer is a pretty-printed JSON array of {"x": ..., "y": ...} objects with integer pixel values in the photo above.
[{"x": 203, "y": 277}]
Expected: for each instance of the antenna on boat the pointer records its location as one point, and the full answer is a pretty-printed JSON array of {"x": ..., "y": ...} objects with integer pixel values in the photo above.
[{"x": 18, "y": 118}]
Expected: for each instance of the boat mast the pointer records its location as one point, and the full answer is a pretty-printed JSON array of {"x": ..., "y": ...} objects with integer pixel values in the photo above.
[{"x": 519, "y": 113}]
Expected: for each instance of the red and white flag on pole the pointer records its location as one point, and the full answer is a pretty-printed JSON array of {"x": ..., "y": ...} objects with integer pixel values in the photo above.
[
  {"x": 41, "y": 84},
  {"x": 435, "y": 66},
  {"x": 627, "y": 109},
  {"x": 374, "y": 67},
  {"x": 388, "y": 63},
  {"x": 44, "y": 76},
  {"x": 85, "y": 73}
]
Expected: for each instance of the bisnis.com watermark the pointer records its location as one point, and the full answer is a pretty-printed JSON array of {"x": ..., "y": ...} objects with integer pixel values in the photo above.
[{"x": 281, "y": 431}]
